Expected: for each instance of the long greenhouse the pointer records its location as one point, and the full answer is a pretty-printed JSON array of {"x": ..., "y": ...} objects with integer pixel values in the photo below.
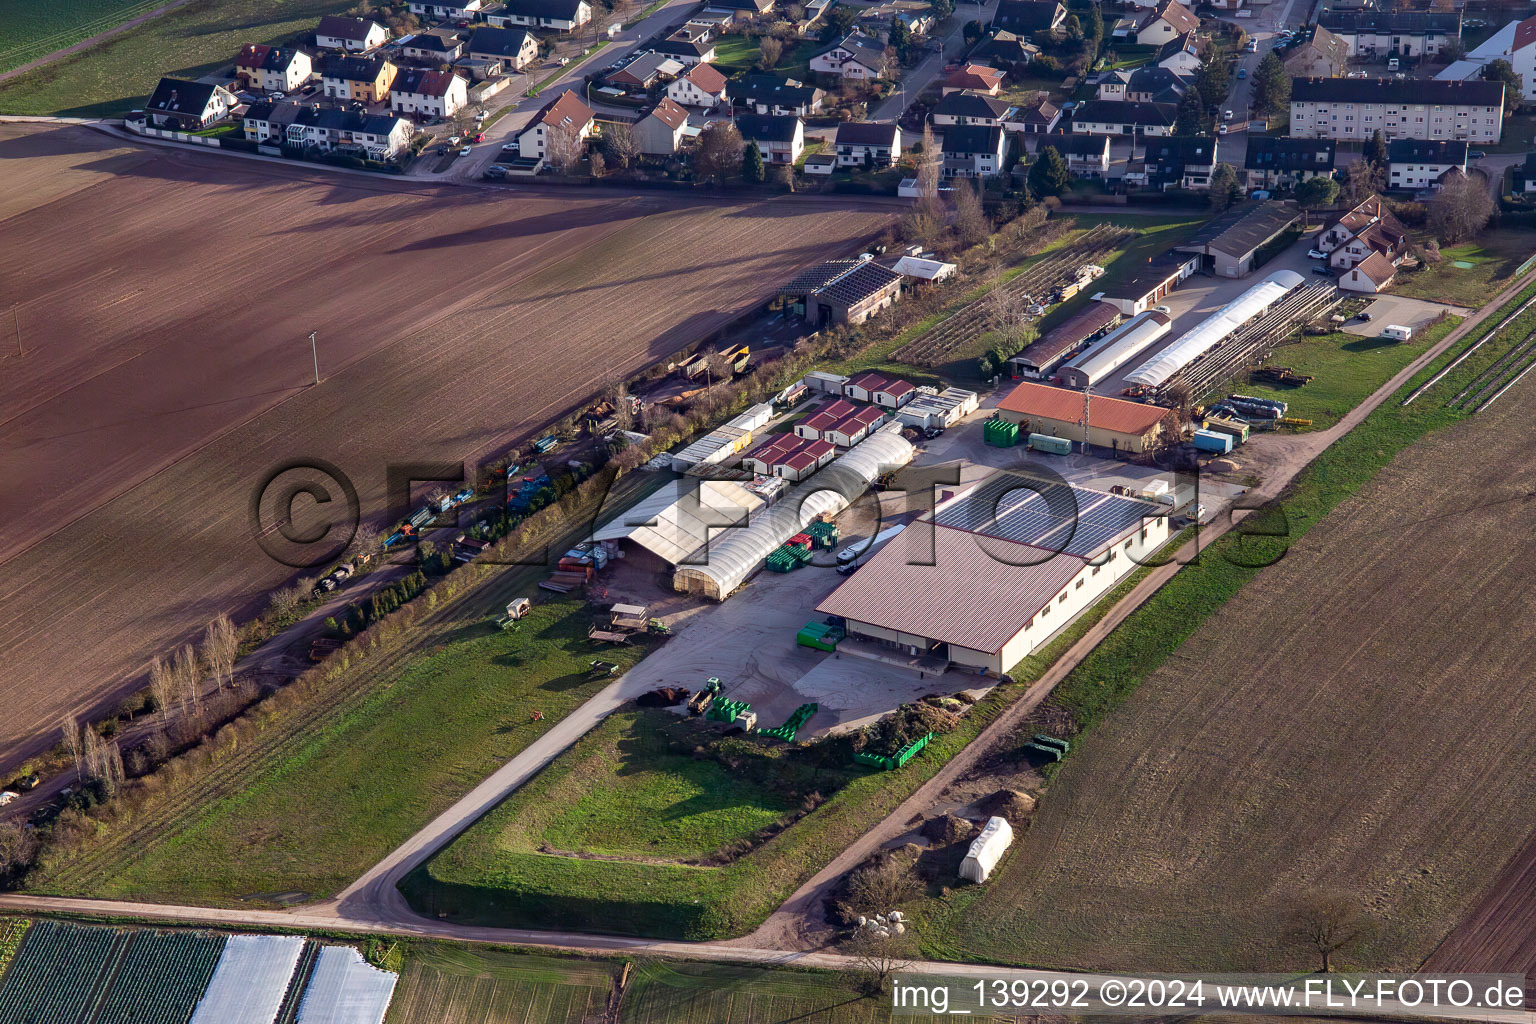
[
  {"x": 1215, "y": 329},
  {"x": 1115, "y": 349}
]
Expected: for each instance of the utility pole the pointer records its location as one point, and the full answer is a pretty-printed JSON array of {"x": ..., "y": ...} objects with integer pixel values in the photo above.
[
  {"x": 315, "y": 354},
  {"x": 1087, "y": 408}
]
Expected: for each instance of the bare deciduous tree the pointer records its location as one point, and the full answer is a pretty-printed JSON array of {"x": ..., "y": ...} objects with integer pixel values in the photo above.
[
  {"x": 1329, "y": 923},
  {"x": 620, "y": 143},
  {"x": 720, "y": 151},
  {"x": 162, "y": 684},
  {"x": 69, "y": 730},
  {"x": 18, "y": 845},
  {"x": 596, "y": 162},
  {"x": 220, "y": 646},
  {"x": 1462, "y": 209},
  {"x": 189, "y": 683},
  {"x": 876, "y": 958},
  {"x": 882, "y": 886},
  {"x": 564, "y": 148},
  {"x": 1007, "y": 313},
  {"x": 971, "y": 223},
  {"x": 769, "y": 52}
]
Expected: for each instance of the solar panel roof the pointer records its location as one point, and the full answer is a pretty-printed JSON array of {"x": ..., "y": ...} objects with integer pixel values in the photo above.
[{"x": 1045, "y": 513}]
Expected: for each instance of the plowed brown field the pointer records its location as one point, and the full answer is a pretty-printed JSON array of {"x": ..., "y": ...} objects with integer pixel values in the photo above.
[
  {"x": 1359, "y": 719},
  {"x": 166, "y": 299}
]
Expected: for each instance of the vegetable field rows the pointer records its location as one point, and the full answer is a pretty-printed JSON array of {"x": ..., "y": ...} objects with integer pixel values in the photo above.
[
  {"x": 972, "y": 321},
  {"x": 464, "y": 986}
]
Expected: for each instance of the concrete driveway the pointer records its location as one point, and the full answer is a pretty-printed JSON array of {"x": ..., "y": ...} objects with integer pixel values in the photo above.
[{"x": 1399, "y": 310}]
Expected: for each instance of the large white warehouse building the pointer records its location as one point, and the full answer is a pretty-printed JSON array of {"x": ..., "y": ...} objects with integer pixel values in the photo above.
[
  {"x": 1215, "y": 329},
  {"x": 1115, "y": 349}
]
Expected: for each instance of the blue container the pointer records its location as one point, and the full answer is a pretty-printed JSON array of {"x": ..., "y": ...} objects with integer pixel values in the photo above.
[{"x": 1212, "y": 441}]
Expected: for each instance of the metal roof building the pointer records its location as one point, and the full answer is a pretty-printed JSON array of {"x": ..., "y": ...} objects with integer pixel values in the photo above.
[
  {"x": 1115, "y": 349},
  {"x": 997, "y": 571},
  {"x": 677, "y": 522},
  {"x": 737, "y": 554},
  {"x": 1214, "y": 329},
  {"x": 1039, "y": 359}
]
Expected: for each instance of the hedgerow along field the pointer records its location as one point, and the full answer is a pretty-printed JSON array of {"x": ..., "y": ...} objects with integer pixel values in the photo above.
[
  {"x": 1346, "y": 680},
  {"x": 71, "y": 974},
  {"x": 29, "y": 30},
  {"x": 308, "y": 815},
  {"x": 119, "y": 73}
]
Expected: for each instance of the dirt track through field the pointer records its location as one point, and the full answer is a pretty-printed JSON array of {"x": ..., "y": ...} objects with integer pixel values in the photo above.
[{"x": 165, "y": 303}]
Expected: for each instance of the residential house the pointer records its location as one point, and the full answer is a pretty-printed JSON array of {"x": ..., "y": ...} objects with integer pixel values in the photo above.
[
  {"x": 559, "y": 15},
  {"x": 268, "y": 120},
  {"x": 1181, "y": 162},
  {"x": 977, "y": 78},
  {"x": 1181, "y": 54},
  {"x": 428, "y": 93},
  {"x": 1413, "y": 108},
  {"x": 357, "y": 35},
  {"x": 1279, "y": 161},
  {"x": 1026, "y": 17},
  {"x": 1369, "y": 276},
  {"x": 867, "y": 144},
  {"x": 661, "y": 132},
  {"x": 743, "y": 8},
  {"x": 768, "y": 94},
  {"x": 1007, "y": 49},
  {"x": 699, "y": 86},
  {"x": 973, "y": 151},
  {"x": 1417, "y": 164},
  {"x": 437, "y": 45},
  {"x": 363, "y": 78},
  {"x": 1087, "y": 156},
  {"x": 187, "y": 106},
  {"x": 1523, "y": 176},
  {"x": 780, "y": 139},
  {"x": 376, "y": 136},
  {"x": 685, "y": 51},
  {"x": 516, "y": 48},
  {"x": 1322, "y": 55},
  {"x": 1162, "y": 24},
  {"x": 855, "y": 56},
  {"x": 1155, "y": 85},
  {"x": 1385, "y": 237},
  {"x": 1368, "y": 211},
  {"x": 1112, "y": 85},
  {"x": 645, "y": 70},
  {"x": 842, "y": 292},
  {"x": 273, "y": 68},
  {"x": 880, "y": 388},
  {"x": 1035, "y": 117},
  {"x": 969, "y": 108},
  {"x": 1395, "y": 33},
  {"x": 566, "y": 115},
  {"x": 1103, "y": 117},
  {"x": 455, "y": 10}
]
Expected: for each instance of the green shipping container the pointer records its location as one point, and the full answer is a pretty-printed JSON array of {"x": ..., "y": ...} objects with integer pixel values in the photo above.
[{"x": 1047, "y": 443}]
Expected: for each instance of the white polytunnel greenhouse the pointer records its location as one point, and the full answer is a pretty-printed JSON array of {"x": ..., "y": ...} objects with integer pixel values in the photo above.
[
  {"x": 1214, "y": 329},
  {"x": 734, "y": 555}
]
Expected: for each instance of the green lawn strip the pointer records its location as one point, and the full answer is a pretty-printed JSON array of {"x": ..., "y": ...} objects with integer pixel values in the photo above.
[
  {"x": 632, "y": 787},
  {"x": 364, "y": 782},
  {"x": 189, "y": 42},
  {"x": 1108, "y": 676},
  {"x": 479, "y": 880},
  {"x": 1347, "y": 368},
  {"x": 1495, "y": 257},
  {"x": 12, "y": 931},
  {"x": 29, "y": 30}
]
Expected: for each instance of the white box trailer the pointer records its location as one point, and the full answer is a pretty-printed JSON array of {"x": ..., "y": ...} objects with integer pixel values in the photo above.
[{"x": 1397, "y": 332}]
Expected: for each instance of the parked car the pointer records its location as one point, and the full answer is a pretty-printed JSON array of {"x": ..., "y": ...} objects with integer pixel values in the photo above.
[
  {"x": 1476, "y": 154},
  {"x": 1165, "y": 310},
  {"x": 454, "y": 140},
  {"x": 1242, "y": 72},
  {"x": 1253, "y": 46},
  {"x": 1323, "y": 271},
  {"x": 1226, "y": 115},
  {"x": 1221, "y": 129},
  {"x": 1393, "y": 64},
  {"x": 495, "y": 171},
  {"x": 1316, "y": 254},
  {"x": 27, "y": 783},
  {"x": 466, "y": 151},
  {"x": 1260, "y": 193},
  {"x": 477, "y": 137},
  {"x": 1363, "y": 316}
]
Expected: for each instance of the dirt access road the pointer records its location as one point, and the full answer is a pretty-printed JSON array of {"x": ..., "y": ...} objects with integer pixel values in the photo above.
[{"x": 167, "y": 368}]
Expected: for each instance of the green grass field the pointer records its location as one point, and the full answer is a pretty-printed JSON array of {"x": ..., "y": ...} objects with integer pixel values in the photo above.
[
  {"x": 1011, "y": 920},
  {"x": 1347, "y": 367},
  {"x": 30, "y": 29},
  {"x": 444, "y": 984},
  {"x": 1494, "y": 258},
  {"x": 120, "y": 73},
  {"x": 316, "y": 817}
]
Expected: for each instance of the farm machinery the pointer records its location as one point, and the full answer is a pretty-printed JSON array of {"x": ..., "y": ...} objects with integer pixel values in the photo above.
[
  {"x": 516, "y": 609},
  {"x": 1282, "y": 375}
]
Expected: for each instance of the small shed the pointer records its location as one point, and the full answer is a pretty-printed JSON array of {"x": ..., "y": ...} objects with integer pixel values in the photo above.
[{"x": 986, "y": 850}]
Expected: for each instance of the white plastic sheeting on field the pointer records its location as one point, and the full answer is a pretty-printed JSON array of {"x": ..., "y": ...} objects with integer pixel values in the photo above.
[
  {"x": 734, "y": 555},
  {"x": 346, "y": 989},
  {"x": 986, "y": 850},
  {"x": 1215, "y": 329},
  {"x": 250, "y": 981}
]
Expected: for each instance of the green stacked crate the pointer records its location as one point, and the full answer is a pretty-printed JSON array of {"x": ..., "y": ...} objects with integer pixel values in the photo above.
[
  {"x": 819, "y": 635},
  {"x": 793, "y": 724},
  {"x": 727, "y": 711},
  {"x": 1000, "y": 433},
  {"x": 824, "y": 534}
]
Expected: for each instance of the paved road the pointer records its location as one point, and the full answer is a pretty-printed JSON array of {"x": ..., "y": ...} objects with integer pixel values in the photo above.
[{"x": 930, "y": 67}]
